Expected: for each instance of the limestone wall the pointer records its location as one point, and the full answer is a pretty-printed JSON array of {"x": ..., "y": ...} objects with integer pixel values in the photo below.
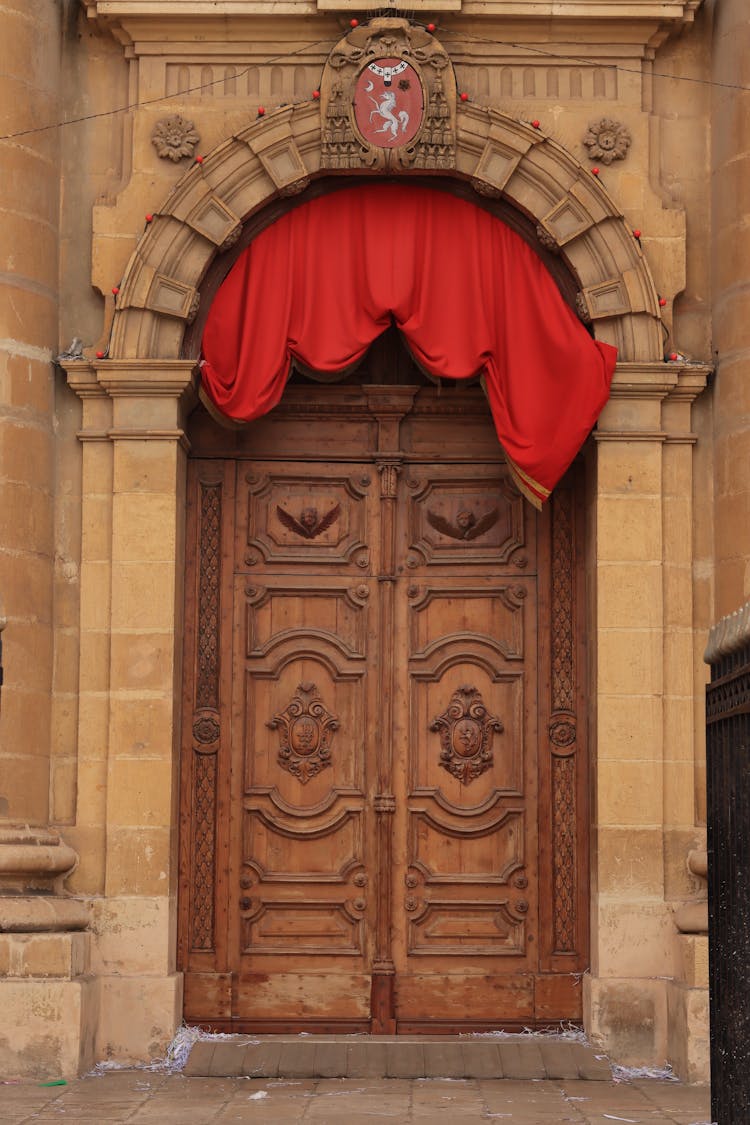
[
  {"x": 730, "y": 185},
  {"x": 29, "y": 239}
]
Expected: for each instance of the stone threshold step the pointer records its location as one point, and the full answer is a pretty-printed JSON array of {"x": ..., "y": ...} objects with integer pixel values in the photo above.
[{"x": 395, "y": 1056}]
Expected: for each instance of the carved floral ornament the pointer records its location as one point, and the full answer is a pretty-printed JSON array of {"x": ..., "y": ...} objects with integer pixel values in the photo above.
[
  {"x": 306, "y": 728},
  {"x": 607, "y": 140},
  {"x": 466, "y": 731},
  {"x": 174, "y": 138}
]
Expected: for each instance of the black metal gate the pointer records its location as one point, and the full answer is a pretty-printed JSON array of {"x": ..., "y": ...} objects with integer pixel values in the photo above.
[{"x": 728, "y": 752}]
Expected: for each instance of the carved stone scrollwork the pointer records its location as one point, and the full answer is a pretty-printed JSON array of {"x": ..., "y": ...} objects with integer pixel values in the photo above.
[
  {"x": 489, "y": 191},
  {"x": 607, "y": 140},
  {"x": 388, "y": 100},
  {"x": 192, "y": 311},
  {"x": 296, "y": 187},
  {"x": 305, "y": 729},
  {"x": 547, "y": 240},
  {"x": 582, "y": 309},
  {"x": 466, "y": 731},
  {"x": 231, "y": 239}
]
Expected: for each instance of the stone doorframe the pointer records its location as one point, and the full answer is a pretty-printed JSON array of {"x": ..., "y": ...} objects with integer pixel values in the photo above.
[{"x": 642, "y": 656}]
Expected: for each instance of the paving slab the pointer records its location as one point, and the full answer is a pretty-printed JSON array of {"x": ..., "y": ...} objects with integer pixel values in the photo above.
[
  {"x": 200, "y": 1057},
  {"x": 405, "y": 1060},
  {"x": 521, "y": 1060},
  {"x": 147, "y": 1098},
  {"x": 482, "y": 1060},
  {"x": 558, "y": 1058},
  {"x": 366, "y": 1060},
  {"x": 331, "y": 1060}
]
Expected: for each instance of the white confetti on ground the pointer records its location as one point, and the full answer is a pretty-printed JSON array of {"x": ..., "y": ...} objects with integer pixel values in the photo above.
[
  {"x": 632, "y": 1073},
  {"x": 176, "y": 1056},
  {"x": 256, "y": 1097}
]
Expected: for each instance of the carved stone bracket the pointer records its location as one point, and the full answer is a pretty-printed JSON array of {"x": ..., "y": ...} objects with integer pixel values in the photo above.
[
  {"x": 466, "y": 731},
  {"x": 305, "y": 729}
]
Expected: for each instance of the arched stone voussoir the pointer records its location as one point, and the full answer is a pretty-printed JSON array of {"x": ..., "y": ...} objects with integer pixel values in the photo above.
[{"x": 280, "y": 153}]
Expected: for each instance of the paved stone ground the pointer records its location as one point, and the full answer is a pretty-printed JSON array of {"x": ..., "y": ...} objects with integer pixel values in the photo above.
[{"x": 173, "y": 1099}]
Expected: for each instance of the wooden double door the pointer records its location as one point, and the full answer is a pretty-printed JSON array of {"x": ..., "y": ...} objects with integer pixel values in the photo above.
[{"x": 383, "y": 775}]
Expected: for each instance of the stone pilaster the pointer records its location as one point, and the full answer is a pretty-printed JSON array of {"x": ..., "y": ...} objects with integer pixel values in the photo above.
[
  {"x": 641, "y": 559},
  {"x": 134, "y": 451}
]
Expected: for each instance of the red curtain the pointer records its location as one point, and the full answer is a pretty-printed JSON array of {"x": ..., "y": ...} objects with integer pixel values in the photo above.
[{"x": 468, "y": 294}]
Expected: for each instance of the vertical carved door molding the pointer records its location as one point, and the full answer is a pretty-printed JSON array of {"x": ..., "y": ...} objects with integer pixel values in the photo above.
[
  {"x": 383, "y": 975},
  {"x": 206, "y": 729},
  {"x": 202, "y": 840},
  {"x": 564, "y": 786}
]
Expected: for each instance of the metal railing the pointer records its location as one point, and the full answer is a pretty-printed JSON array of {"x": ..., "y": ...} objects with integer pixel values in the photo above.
[{"x": 728, "y": 767}]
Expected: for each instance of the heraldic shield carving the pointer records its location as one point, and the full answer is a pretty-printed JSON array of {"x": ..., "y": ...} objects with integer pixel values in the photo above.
[
  {"x": 305, "y": 729},
  {"x": 388, "y": 100},
  {"x": 466, "y": 732}
]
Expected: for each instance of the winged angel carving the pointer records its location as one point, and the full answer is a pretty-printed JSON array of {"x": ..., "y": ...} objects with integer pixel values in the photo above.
[
  {"x": 467, "y": 525},
  {"x": 308, "y": 526}
]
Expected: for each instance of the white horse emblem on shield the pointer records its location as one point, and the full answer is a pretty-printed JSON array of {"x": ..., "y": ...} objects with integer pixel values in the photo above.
[{"x": 393, "y": 119}]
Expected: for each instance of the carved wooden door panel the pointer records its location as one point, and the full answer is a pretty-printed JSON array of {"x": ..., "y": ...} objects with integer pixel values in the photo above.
[
  {"x": 383, "y": 819},
  {"x": 466, "y": 762},
  {"x": 302, "y": 783}
]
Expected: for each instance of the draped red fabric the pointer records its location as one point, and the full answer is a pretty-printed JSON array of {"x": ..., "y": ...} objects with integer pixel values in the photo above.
[{"x": 468, "y": 294}]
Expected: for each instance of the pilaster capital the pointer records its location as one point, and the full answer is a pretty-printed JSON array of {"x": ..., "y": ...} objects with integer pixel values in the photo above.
[
  {"x": 651, "y": 402},
  {"x": 144, "y": 399}
]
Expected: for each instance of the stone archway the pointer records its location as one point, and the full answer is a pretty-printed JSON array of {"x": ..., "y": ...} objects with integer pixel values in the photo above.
[
  {"x": 280, "y": 154},
  {"x": 134, "y": 452}
]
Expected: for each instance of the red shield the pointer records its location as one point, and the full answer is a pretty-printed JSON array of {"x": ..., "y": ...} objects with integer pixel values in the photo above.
[{"x": 388, "y": 103}]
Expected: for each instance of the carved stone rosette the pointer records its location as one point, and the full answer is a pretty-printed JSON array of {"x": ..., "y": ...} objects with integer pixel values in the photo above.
[
  {"x": 388, "y": 100},
  {"x": 607, "y": 140},
  {"x": 466, "y": 731},
  {"x": 305, "y": 729},
  {"x": 174, "y": 138}
]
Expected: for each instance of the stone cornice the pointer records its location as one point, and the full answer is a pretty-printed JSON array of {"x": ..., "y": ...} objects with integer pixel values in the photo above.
[
  {"x": 167, "y": 27},
  {"x": 134, "y": 377},
  {"x": 660, "y": 380},
  {"x": 663, "y": 11}
]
